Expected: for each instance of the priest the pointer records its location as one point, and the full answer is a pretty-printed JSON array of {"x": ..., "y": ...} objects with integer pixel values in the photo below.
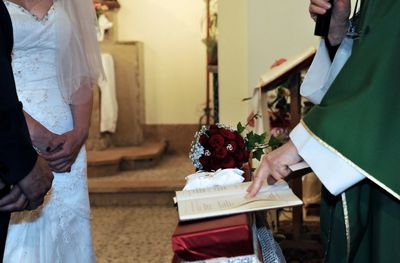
[{"x": 351, "y": 137}]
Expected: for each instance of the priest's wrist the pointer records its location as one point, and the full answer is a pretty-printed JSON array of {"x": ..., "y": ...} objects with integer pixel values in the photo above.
[{"x": 337, "y": 32}]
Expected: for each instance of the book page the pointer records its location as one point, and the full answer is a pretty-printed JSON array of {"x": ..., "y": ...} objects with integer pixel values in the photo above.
[
  {"x": 211, "y": 192},
  {"x": 235, "y": 189},
  {"x": 275, "y": 196}
]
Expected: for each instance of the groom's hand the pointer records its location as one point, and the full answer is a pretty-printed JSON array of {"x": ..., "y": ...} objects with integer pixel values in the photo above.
[
  {"x": 15, "y": 200},
  {"x": 37, "y": 183},
  {"x": 30, "y": 191}
]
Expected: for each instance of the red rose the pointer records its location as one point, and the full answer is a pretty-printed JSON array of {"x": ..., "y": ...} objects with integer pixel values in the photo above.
[
  {"x": 208, "y": 152},
  {"x": 220, "y": 153},
  {"x": 215, "y": 164},
  {"x": 239, "y": 156},
  {"x": 216, "y": 141},
  {"x": 203, "y": 140},
  {"x": 246, "y": 156},
  {"x": 240, "y": 141},
  {"x": 227, "y": 134},
  {"x": 213, "y": 129},
  {"x": 228, "y": 162},
  {"x": 204, "y": 160},
  {"x": 231, "y": 146}
]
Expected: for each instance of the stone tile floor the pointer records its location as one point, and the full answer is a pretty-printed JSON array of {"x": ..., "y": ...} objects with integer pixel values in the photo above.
[
  {"x": 139, "y": 234},
  {"x": 170, "y": 168},
  {"x": 133, "y": 234}
]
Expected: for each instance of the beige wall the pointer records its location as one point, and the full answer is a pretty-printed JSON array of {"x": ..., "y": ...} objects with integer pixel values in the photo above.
[
  {"x": 253, "y": 33},
  {"x": 233, "y": 60},
  {"x": 174, "y": 56}
]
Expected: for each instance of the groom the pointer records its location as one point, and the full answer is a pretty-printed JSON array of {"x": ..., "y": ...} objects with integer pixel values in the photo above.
[{"x": 20, "y": 166}]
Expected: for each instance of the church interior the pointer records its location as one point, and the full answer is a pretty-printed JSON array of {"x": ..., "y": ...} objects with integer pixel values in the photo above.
[{"x": 171, "y": 67}]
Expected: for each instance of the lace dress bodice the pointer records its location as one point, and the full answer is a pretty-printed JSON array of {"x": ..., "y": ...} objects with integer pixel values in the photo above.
[
  {"x": 59, "y": 231},
  {"x": 31, "y": 51},
  {"x": 35, "y": 72}
]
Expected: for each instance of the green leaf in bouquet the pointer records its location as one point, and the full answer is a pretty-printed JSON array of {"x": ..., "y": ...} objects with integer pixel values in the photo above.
[
  {"x": 260, "y": 138},
  {"x": 240, "y": 128},
  {"x": 274, "y": 142},
  {"x": 251, "y": 140},
  {"x": 258, "y": 153}
]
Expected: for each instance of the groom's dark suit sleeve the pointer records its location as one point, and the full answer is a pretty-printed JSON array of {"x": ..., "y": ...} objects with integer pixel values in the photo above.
[{"x": 17, "y": 156}]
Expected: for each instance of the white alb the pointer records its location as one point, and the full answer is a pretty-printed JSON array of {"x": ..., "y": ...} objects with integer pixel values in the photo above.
[{"x": 334, "y": 172}]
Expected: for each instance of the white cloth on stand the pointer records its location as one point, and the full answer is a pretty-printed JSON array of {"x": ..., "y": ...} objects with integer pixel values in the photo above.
[
  {"x": 104, "y": 24},
  {"x": 108, "y": 101},
  {"x": 221, "y": 177}
]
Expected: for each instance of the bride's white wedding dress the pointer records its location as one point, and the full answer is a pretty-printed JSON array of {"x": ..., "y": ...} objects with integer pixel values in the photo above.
[{"x": 58, "y": 231}]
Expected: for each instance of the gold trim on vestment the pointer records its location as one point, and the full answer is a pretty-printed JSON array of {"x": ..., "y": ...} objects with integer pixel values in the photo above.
[
  {"x": 370, "y": 177},
  {"x": 346, "y": 223}
]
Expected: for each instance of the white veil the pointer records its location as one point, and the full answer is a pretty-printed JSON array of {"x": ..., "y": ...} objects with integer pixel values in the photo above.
[{"x": 78, "y": 55}]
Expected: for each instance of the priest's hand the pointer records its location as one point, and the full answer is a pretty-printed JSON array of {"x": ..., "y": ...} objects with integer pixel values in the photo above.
[
  {"x": 339, "y": 20},
  {"x": 274, "y": 166}
]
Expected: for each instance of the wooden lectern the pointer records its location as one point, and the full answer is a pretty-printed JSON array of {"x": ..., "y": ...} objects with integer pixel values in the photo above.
[{"x": 289, "y": 72}]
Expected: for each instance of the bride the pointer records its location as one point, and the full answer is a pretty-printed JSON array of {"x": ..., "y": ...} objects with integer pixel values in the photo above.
[{"x": 55, "y": 61}]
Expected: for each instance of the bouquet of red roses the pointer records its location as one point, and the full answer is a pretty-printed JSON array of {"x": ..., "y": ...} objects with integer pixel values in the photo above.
[{"x": 218, "y": 147}]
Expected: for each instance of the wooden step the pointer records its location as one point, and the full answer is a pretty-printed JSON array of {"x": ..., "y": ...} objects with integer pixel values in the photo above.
[
  {"x": 133, "y": 193},
  {"x": 113, "y": 160},
  {"x": 147, "y": 186}
]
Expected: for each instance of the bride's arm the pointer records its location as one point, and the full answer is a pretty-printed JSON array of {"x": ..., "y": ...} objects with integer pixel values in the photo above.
[
  {"x": 41, "y": 137},
  {"x": 81, "y": 115},
  {"x": 70, "y": 143}
]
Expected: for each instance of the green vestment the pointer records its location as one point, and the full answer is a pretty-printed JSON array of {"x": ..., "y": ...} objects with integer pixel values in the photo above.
[{"x": 359, "y": 120}]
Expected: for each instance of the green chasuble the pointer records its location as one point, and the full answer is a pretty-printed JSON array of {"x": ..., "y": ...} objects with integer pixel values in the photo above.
[{"x": 359, "y": 119}]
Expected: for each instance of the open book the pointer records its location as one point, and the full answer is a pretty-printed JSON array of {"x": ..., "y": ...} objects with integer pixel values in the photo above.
[{"x": 226, "y": 200}]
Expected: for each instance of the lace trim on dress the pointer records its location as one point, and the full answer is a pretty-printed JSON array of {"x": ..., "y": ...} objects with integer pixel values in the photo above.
[{"x": 26, "y": 11}]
